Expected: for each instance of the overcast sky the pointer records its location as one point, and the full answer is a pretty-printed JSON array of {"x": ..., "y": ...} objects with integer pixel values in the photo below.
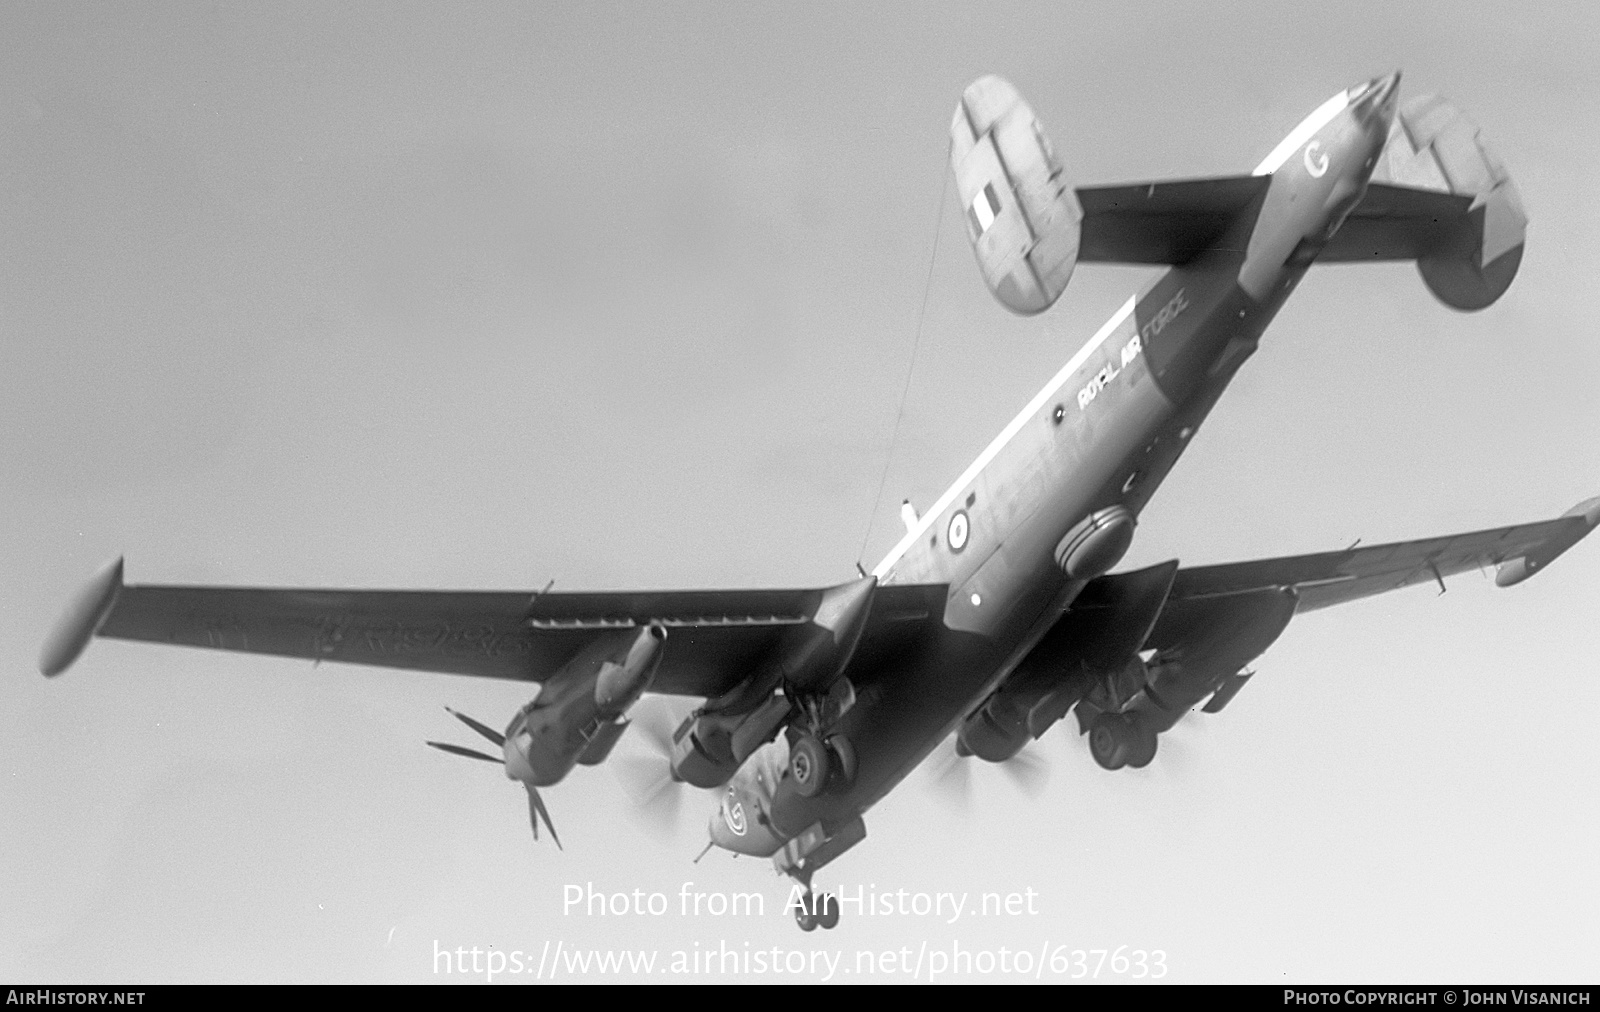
[{"x": 382, "y": 296}]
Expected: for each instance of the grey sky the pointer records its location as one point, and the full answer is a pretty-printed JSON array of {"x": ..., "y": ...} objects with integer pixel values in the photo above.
[{"x": 624, "y": 296}]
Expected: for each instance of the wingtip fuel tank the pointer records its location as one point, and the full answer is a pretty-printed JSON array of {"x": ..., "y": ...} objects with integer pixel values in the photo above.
[{"x": 82, "y": 617}]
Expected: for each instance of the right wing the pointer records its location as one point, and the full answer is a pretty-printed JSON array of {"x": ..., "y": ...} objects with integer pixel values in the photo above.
[
  {"x": 1200, "y": 594},
  {"x": 1216, "y": 619},
  {"x": 714, "y": 637}
]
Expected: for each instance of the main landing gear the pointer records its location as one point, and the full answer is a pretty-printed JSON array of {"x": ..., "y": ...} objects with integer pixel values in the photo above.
[
  {"x": 817, "y": 911},
  {"x": 1121, "y": 739},
  {"x": 816, "y": 763}
]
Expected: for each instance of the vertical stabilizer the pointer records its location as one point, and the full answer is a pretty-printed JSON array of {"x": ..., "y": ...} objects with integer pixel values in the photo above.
[{"x": 1022, "y": 218}]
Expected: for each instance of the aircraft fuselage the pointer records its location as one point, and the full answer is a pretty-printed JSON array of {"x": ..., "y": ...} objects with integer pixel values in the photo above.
[{"x": 1103, "y": 433}]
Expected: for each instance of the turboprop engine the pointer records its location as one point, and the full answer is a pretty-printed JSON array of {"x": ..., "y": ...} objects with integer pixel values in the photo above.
[
  {"x": 577, "y": 716},
  {"x": 802, "y": 674},
  {"x": 1203, "y": 646},
  {"x": 1098, "y": 634}
]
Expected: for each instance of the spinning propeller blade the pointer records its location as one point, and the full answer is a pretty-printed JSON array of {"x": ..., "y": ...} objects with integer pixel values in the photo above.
[
  {"x": 536, "y": 810},
  {"x": 648, "y": 779},
  {"x": 468, "y": 752},
  {"x": 952, "y": 778},
  {"x": 483, "y": 729},
  {"x": 952, "y": 774},
  {"x": 1030, "y": 773}
]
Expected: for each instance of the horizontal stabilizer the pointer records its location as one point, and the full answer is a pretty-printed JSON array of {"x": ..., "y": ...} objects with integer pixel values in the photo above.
[
  {"x": 1162, "y": 223},
  {"x": 1441, "y": 197}
]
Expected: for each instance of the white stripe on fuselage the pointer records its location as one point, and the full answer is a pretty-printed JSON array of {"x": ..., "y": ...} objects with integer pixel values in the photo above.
[
  {"x": 976, "y": 468},
  {"x": 1308, "y": 127}
]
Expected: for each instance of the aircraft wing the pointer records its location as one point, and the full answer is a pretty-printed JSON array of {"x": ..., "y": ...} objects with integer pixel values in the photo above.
[
  {"x": 1161, "y": 223},
  {"x": 714, "y": 637},
  {"x": 1330, "y": 578}
]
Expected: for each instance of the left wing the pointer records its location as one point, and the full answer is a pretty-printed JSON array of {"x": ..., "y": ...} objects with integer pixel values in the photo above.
[{"x": 714, "y": 637}]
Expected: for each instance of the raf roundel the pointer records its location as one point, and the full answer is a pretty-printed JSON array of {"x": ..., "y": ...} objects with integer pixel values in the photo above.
[{"x": 959, "y": 529}]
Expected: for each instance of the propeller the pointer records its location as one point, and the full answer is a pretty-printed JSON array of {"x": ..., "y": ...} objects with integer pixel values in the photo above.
[
  {"x": 470, "y": 753},
  {"x": 952, "y": 778},
  {"x": 1029, "y": 771},
  {"x": 648, "y": 779},
  {"x": 483, "y": 729},
  {"x": 536, "y": 808},
  {"x": 952, "y": 774}
]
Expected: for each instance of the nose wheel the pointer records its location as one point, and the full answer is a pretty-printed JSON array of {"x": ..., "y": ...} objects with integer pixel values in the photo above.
[{"x": 817, "y": 911}]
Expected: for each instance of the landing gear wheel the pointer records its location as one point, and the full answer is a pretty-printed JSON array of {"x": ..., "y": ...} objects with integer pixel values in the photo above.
[
  {"x": 828, "y": 911},
  {"x": 1141, "y": 744},
  {"x": 809, "y": 765},
  {"x": 1108, "y": 741},
  {"x": 805, "y": 914}
]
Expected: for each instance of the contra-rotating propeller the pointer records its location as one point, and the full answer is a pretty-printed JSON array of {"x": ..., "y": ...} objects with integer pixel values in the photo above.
[
  {"x": 536, "y": 808},
  {"x": 952, "y": 773}
]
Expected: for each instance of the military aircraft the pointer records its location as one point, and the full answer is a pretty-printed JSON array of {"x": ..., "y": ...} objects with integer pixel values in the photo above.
[{"x": 997, "y": 614}]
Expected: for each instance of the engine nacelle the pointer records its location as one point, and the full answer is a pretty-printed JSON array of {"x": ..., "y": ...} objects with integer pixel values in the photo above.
[
  {"x": 620, "y": 682},
  {"x": 995, "y": 732},
  {"x": 709, "y": 747},
  {"x": 605, "y": 737},
  {"x": 1023, "y": 220},
  {"x": 1218, "y": 636},
  {"x": 576, "y": 717},
  {"x": 807, "y": 664}
]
